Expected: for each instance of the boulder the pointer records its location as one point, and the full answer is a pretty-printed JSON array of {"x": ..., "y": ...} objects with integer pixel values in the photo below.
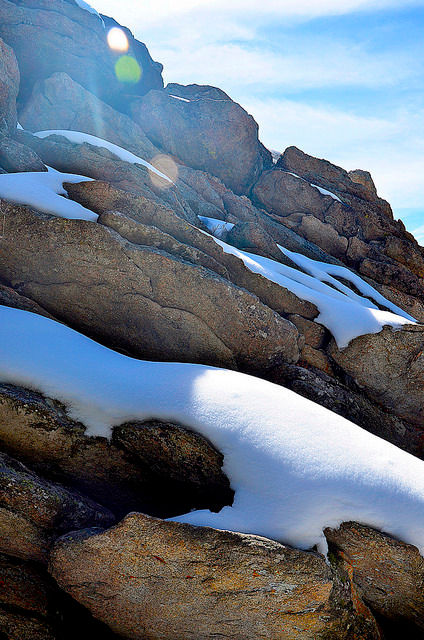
[
  {"x": 33, "y": 511},
  {"x": 64, "y": 37},
  {"x": 10, "y": 298},
  {"x": 147, "y": 578},
  {"x": 9, "y": 87},
  {"x": 138, "y": 298},
  {"x": 59, "y": 102},
  {"x": 389, "y": 367},
  {"x": 387, "y": 573},
  {"x": 16, "y": 157},
  {"x": 158, "y": 467},
  {"x": 205, "y": 129}
]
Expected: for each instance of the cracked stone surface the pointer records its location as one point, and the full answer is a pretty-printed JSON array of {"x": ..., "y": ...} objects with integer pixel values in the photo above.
[{"x": 151, "y": 579}]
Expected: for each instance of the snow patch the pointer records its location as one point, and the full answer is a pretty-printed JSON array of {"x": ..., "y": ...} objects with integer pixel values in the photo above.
[
  {"x": 216, "y": 227},
  {"x": 295, "y": 466},
  {"x": 43, "y": 190},
  {"x": 345, "y": 314},
  {"x": 178, "y": 98},
  {"x": 80, "y": 138}
]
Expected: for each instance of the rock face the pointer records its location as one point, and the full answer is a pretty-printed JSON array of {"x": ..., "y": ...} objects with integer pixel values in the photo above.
[
  {"x": 61, "y": 36},
  {"x": 145, "y": 304},
  {"x": 148, "y": 578},
  {"x": 16, "y": 157},
  {"x": 9, "y": 87},
  {"x": 61, "y": 103},
  {"x": 162, "y": 468},
  {"x": 33, "y": 512},
  {"x": 389, "y": 576},
  {"x": 205, "y": 129}
]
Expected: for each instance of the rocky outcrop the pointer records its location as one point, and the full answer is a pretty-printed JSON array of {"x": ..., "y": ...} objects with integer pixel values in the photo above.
[
  {"x": 9, "y": 87},
  {"x": 156, "y": 467},
  {"x": 16, "y": 157},
  {"x": 147, "y": 578},
  {"x": 388, "y": 576},
  {"x": 61, "y": 103},
  {"x": 389, "y": 367},
  {"x": 66, "y": 38},
  {"x": 205, "y": 129},
  {"x": 138, "y": 298},
  {"x": 33, "y": 512}
]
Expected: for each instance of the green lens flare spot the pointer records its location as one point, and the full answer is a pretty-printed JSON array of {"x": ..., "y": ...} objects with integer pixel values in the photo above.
[{"x": 127, "y": 70}]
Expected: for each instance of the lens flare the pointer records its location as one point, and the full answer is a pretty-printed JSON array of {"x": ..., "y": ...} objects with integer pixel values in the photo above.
[
  {"x": 128, "y": 70},
  {"x": 166, "y": 165},
  {"x": 117, "y": 40}
]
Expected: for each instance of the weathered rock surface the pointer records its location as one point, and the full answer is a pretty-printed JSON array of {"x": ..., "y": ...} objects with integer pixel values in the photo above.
[
  {"x": 105, "y": 199},
  {"x": 10, "y": 298},
  {"x": 33, "y": 512},
  {"x": 206, "y": 130},
  {"x": 66, "y": 38},
  {"x": 140, "y": 299},
  {"x": 388, "y": 574},
  {"x": 389, "y": 366},
  {"x": 16, "y": 157},
  {"x": 147, "y": 578},
  {"x": 160, "y": 468},
  {"x": 61, "y": 103},
  {"x": 9, "y": 87},
  {"x": 33, "y": 608}
]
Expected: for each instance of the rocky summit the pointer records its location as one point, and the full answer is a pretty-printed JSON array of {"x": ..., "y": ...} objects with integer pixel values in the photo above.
[{"x": 147, "y": 223}]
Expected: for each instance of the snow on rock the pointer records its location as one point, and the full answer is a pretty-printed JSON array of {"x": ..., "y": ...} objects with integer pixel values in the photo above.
[
  {"x": 345, "y": 314},
  {"x": 296, "y": 467},
  {"x": 178, "y": 98},
  {"x": 324, "y": 192},
  {"x": 215, "y": 226},
  {"x": 43, "y": 191},
  {"x": 79, "y": 138}
]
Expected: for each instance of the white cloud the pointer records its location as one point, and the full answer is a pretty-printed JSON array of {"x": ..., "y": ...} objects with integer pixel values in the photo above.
[{"x": 152, "y": 12}]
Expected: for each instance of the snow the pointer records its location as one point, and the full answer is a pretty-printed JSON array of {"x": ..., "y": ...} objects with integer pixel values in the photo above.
[
  {"x": 215, "y": 226},
  {"x": 324, "y": 192},
  {"x": 295, "y": 466},
  {"x": 178, "y": 98},
  {"x": 43, "y": 191},
  {"x": 80, "y": 138},
  {"x": 346, "y": 314}
]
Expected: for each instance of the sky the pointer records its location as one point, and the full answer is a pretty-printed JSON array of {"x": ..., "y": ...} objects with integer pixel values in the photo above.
[{"x": 340, "y": 79}]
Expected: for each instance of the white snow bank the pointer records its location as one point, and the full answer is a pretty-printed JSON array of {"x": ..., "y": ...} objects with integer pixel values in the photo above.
[
  {"x": 345, "y": 314},
  {"x": 324, "y": 192},
  {"x": 178, "y": 98},
  {"x": 295, "y": 466},
  {"x": 43, "y": 191},
  {"x": 216, "y": 227},
  {"x": 79, "y": 138}
]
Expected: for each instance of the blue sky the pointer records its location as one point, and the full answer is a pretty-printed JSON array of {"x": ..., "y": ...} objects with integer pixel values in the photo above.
[{"x": 341, "y": 79}]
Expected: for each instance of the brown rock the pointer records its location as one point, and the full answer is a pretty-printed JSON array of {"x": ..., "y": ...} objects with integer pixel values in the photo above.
[
  {"x": 390, "y": 272},
  {"x": 314, "y": 333},
  {"x": 389, "y": 366},
  {"x": 249, "y": 236},
  {"x": 323, "y": 235},
  {"x": 206, "y": 130},
  {"x": 364, "y": 178},
  {"x": 10, "y": 298},
  {"x": 102, "y": 197},
  {"x": 161, "y": 468},
  {"x": 316, "y": 358},
  {"x": 33, "y": 512},
  {"x": 16, "y": 157},
  {"x": 138, "y": 298},
  {"x": 64, "y": 37},
  {"x": 147, "y": 578},
  {"x": 387, "y": 573},
  {"x": 9, "y": 87},
  {"x": 61, "y": 103}
]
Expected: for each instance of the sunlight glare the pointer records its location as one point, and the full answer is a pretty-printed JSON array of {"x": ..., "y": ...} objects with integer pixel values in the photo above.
[{"x": 117, "y": 40}]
